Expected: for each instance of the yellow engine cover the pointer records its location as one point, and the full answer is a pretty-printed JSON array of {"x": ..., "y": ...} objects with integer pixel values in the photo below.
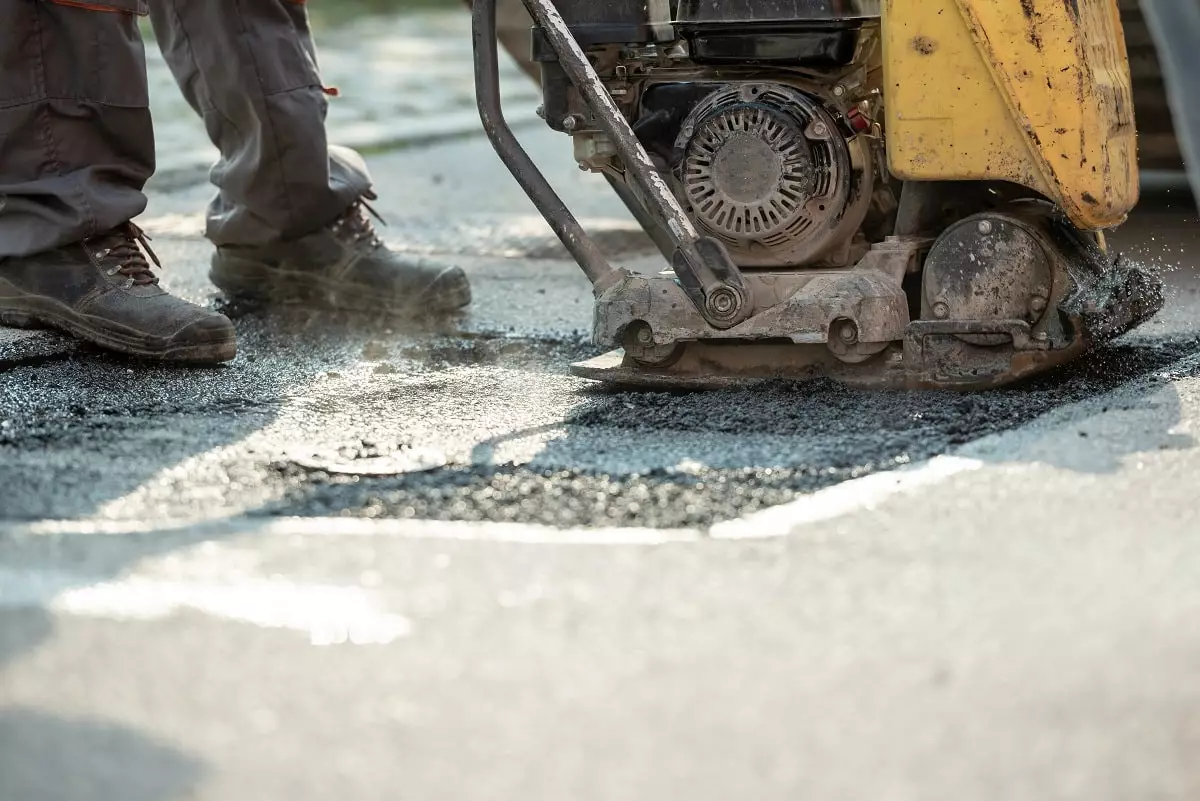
[{"x": 1036, "y": 92}]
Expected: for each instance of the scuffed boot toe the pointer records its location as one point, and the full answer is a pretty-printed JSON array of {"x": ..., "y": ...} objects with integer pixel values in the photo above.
[
  {"x": 344, "y": 266},
  {"x": 209, "y": 339},
  {"x": 450, "y": 291},
  {"x": 102, "y": 290}
]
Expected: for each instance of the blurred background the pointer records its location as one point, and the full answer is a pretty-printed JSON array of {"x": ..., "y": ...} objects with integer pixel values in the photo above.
[
  {"x": 328, "y": 13},
  {"x": 402, "y": 69}
]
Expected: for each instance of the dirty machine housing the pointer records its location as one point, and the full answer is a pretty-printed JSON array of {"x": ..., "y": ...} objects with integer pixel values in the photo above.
[{"x": 904, "y": 197}]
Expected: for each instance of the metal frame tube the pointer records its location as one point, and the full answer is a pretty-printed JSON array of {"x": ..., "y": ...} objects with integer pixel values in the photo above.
[
  {"x": 662, "y": 203},
  {"x": 487, "y": 88},
  {"x": 708, "y": 275},
  {"x": 705, "y": 271}
]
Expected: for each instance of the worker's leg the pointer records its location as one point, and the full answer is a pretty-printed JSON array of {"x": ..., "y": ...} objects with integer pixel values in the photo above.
[
  {"x": 288, "y": 220},
  {"x": 249, "y": 69},
  {"x": 76, "y": 147},
  {"x": 1175, "y": 25},
  {"x": 76, "y": 144}
]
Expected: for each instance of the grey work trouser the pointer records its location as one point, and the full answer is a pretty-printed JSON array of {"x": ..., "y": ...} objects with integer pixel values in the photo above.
[
  {"x": 76, "y": 139},
  {"x": 1175, "y": 26}
]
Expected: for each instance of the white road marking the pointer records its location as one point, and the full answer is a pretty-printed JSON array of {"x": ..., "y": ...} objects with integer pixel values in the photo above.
[
  {"x": 222, "y": 583},
  {"x": 843, "y": 499},
  {"x": 222, "y": 580},
  {"x": 359, "y": 527},
  {"x": 327, "y": 614}
]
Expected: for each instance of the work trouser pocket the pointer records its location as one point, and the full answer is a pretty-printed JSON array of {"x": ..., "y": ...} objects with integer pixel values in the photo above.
[
  {"x": 66, "y": 50},
  {"x": 278, "y": 41}
]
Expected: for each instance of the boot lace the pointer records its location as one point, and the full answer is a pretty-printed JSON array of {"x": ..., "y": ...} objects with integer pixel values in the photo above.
[
  {"x": 355, "y": 225},
  {"x": 128, "y": 249}
]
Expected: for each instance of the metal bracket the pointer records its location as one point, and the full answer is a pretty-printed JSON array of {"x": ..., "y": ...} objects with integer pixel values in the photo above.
[
  {"x": 1018, "y": 330},
  {"x": 919, "y": 361}
]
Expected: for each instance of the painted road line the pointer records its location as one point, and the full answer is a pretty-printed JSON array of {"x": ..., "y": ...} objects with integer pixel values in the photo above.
[
  {"x": 360, "y": 527},
  {"x": 327, "y": 614},
  {"x": 842, "y": 500}
]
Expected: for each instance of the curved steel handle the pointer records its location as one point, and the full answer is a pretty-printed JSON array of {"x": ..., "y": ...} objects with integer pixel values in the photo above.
[
  {"x": 487, "y": 94},
  {"x": 703, "y": 266}
]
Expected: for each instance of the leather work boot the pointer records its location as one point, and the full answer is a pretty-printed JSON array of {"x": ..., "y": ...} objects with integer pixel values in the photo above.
[
  {"x": 103, "y": 291},
  {"x": 344, "y": 266}
]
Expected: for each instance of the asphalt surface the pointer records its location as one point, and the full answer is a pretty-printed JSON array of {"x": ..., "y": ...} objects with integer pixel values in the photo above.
[
  {"x": 519, "y": 440},
  {"x": 796, "y": 591}
]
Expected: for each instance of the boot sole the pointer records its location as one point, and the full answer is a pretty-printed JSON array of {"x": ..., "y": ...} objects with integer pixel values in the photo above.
[
  {"x": 32, "y": 311},
  {"x": 249, "y": 279}
]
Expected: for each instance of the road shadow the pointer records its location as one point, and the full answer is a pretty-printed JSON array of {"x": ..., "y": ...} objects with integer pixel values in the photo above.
[
  {"x": 79, "y": 433},
  {"x": 83, "y": 432},
  {"x": 47, "y": 758}
]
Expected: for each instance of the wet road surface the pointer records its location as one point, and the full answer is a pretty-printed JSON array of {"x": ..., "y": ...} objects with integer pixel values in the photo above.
[{"x": 988, "y": 597}]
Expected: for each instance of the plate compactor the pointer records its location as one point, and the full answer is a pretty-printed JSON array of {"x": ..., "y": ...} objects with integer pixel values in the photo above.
[{"x": 889, "y": 193}]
